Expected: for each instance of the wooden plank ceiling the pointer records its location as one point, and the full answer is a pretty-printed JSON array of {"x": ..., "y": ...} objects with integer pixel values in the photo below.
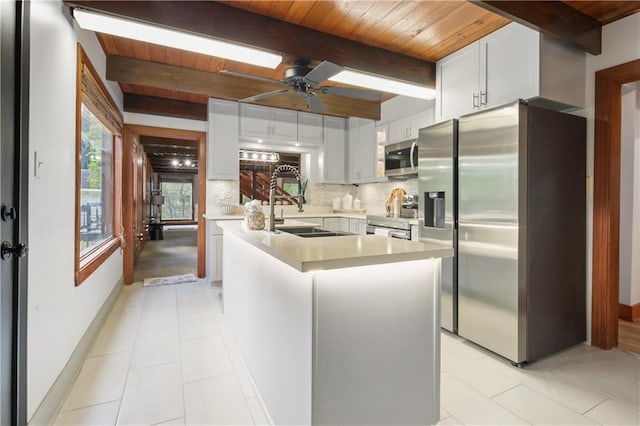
[
  {"x": 418, "y": 31},
  {"x": 162, "y": 152}
]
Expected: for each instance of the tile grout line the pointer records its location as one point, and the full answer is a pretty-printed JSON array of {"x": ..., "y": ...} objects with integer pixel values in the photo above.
[
  {"x": 126, "y": 380},
  {"x": 184, "y": 400}
]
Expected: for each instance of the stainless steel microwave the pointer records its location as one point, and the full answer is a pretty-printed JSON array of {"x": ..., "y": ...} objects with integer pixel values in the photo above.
[{"x": 401, "y": 159}]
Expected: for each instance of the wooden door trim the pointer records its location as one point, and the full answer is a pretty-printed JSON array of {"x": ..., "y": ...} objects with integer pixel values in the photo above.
[
  {"x": 606, "y": 201},
  {"x": 198, "y": 139}
]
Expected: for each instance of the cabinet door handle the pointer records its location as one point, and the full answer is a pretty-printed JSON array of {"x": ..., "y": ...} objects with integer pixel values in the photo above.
[
  {"x": 483, "y": 98},
  {"x": 475, "y": 101}
]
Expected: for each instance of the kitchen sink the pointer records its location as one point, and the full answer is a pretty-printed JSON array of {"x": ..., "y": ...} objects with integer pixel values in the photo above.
[
  {"x": 299, "y": 229},
  {"x": 312, "y": 232}
]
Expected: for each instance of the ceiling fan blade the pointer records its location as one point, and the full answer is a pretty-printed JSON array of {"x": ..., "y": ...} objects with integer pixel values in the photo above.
[
  {"x": 263, "y": 95},
  {"x": 255, "y": 77},
  {"x": 368, "y": 95},
  {"x": 322, "y": 72},
  {"x": 314, "y": 103}
]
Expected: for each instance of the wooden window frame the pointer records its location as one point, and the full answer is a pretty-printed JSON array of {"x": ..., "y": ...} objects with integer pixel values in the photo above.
[{"x": 100, "y": 103}]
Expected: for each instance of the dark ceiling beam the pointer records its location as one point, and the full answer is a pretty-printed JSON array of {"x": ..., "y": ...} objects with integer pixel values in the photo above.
[
  {"x": 226, "y": 22},
  {"x": 554, "y": 18},
  {"x": 168, "y": 142},
  {"x": 146, "y": 73},
  {"x": 158, "y": 152},
  {"x": 173, "y": 170},
  {"x": 166, "y": 107}
]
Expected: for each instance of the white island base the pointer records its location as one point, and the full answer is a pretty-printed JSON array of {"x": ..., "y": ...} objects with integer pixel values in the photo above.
[{"x": 357, "y": 345}]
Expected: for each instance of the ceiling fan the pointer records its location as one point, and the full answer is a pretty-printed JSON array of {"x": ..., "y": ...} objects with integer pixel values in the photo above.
[{"x": 304, "y": 81}]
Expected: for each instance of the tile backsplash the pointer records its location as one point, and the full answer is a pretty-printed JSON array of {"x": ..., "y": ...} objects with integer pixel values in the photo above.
[{"x": 372, "y": 195}]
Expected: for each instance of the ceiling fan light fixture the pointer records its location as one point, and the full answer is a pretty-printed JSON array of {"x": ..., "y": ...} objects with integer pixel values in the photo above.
[
  {"x": 383, "y": 84},
  {"x": 176, "y": 39}
]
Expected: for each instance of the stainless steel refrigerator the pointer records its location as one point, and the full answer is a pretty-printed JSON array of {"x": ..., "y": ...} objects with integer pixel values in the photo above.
[
  {"x": 437, "y": 186},
  {"x": 522, "y": 230}
]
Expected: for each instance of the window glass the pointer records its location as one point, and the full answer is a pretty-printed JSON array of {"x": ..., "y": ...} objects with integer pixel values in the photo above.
[
  {"x": 178, "y": 200},
  {"x": 96, "y": 182}
]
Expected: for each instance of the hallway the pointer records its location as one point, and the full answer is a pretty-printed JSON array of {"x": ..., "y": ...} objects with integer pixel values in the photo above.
[
  {"x": 163, "y": 355},
  {"x": 176, "y": 254}
]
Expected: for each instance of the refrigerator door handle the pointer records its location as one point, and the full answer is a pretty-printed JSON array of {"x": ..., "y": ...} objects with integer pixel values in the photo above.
[{"x": 413, "y": 148}]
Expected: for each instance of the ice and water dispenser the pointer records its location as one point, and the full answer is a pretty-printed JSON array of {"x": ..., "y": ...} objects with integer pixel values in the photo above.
[{"x": 434, "y": 209}]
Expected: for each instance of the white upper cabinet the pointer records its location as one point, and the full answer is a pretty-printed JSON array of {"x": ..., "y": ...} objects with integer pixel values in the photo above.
[
  {"x": 457, "y": 82},
  {"x": 335, "y": 142},
  {"x": 222, "y": 140},
  {"x": 362, "y": 162},
  {"x": 399, "y": 130},
  {"x": 407, "y": 128},
  {"x": 272, "y": 124},
  {"x": 310, "y": 128},
  {"x": 511, "y": 63}
]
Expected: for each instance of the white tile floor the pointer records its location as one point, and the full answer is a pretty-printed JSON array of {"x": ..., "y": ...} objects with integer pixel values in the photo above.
[{"x": 165, "y": 357}]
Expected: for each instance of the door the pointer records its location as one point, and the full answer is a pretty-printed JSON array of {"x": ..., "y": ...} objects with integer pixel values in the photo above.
[
  {"x": 138, "y": 180},
  {"x": 509, "y": 65},
  {"x": 458, "y": 80},
  {"x": 437, "y": 192},
  {"x": 13, "y": 194},
  {"x": 488, "y": 225}
]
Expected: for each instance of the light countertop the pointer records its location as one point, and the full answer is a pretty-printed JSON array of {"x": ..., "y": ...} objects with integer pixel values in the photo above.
[
  {"x": 297, "y": 215},
  {"x": 309, "y": 254},
  {"x": 288, "y": 215}
]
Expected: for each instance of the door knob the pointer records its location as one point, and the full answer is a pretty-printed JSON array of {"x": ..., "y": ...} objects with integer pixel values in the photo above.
[{"x": 7, "y": 249}]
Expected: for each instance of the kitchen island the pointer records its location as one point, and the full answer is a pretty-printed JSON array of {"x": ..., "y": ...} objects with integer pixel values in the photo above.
[{"x": 336, "y": 330}]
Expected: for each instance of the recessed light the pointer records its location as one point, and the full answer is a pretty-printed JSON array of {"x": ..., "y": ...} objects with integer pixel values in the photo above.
[
  {"x": 384, "y": 84},
  {"x": 172, "y": 38}
]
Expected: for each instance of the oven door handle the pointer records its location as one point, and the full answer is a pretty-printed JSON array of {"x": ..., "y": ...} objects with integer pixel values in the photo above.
[
  {"x": 413, "y": 148},
  {"x": 400, "y": 234}
]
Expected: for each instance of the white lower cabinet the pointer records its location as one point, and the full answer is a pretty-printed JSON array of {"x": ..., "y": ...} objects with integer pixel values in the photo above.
[
  {"x": 338, "y": 224},
  {"x": 214, "y": 251},
  {"x": 415, "y": 232},
  {"x": 358, "y": 226}
]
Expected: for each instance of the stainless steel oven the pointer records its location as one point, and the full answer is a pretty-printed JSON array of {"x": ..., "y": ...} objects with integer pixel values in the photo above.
[{"x": 394, "y": 227}]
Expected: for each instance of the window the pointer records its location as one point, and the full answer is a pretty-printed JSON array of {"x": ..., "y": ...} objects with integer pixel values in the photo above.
[
  {"x": 96, "y": 182},
  {"x": 98, "y": 149},
  {"x": 178, "y": 200},
  {"x": 255, "y": 178}
]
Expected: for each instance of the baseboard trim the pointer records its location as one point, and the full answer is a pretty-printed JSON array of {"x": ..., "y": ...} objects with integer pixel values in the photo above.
[
  {"x": 48, "y": 409},
  {"x": 629, "y": 312}
]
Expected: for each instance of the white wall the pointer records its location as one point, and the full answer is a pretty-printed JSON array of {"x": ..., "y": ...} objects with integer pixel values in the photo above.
[
  {"x": 402, "y": 106},
  {"x": 629, "y": 214},
  {"x": 58, "y": 312},
  {"x": 620, "y": 44},
  {"x": 166, "y": 122}
]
